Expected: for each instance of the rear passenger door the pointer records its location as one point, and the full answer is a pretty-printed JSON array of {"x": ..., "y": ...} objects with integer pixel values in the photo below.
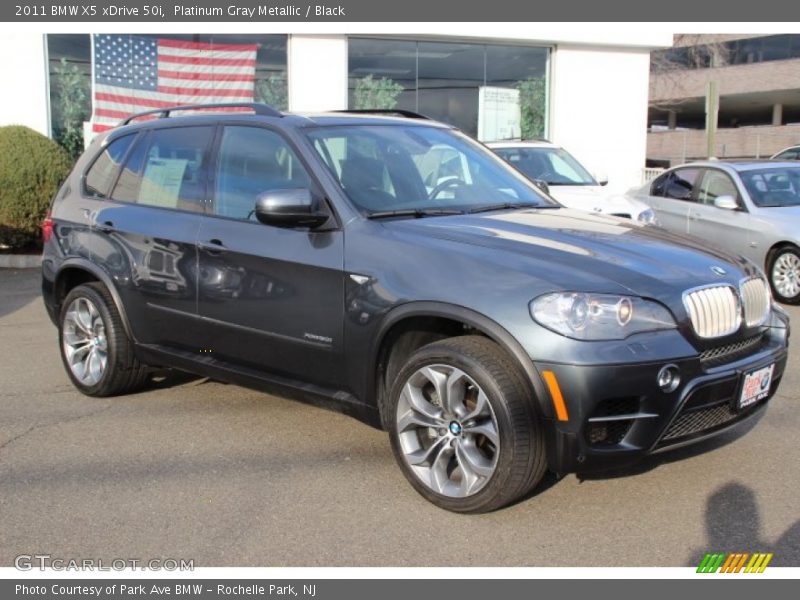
[
  {"x": 271, "y": 298},
  {"x": 671, "y": 196},
  {"x": 147, "y": 233}
]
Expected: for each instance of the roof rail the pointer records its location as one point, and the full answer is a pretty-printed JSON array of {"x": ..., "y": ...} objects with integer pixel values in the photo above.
[
  {"x": 163, "y": 113},
  {"x": 408, "y": 114}
]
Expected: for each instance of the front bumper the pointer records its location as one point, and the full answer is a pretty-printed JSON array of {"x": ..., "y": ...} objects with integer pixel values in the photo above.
[{"x": 617, "y": 414}]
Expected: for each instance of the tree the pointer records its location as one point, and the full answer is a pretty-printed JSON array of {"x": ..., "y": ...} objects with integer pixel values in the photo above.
[
  {"x": 71, "y": 91},
  {"x": 376, "y": 93},
  {"x": 532, "y": 102},
  {"x": 273, "y": 91}
]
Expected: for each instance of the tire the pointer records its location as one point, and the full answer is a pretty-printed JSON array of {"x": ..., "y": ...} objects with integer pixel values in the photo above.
[
  {"x": 97, "y": 353},
  {"x": 783, "y": 271},
  {"x": 474, "y": 445}
]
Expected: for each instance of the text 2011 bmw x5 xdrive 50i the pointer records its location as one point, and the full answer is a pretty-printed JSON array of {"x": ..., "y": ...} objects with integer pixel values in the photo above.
[{"x": 394, "y": 269}]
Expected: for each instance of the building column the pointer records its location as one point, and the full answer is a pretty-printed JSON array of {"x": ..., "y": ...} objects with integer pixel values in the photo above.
[
  {"x": 672, "y": 119},
  {"x": 317, "y": 72},
  {"x": 777, "y": 114},
  {"x": 25, "y": 69}
]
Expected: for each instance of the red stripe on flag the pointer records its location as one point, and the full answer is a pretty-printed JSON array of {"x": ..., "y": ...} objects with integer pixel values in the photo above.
[
  {"x": 214, "y": 47},
  {"x": 211, "y": 92},
  {"x": 204, "y": 61},
  {"x": 203, "y": 76},
  {"x": 134, "y": 100}
]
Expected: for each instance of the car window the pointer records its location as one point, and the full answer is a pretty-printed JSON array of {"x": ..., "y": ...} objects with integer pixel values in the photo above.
[
  {"x": 253, "y": 160},
  {"x": 127, "y": 187},
  {"x": 101, "y": 175},
  {"x": 715, "y": 184},
  {"x": 555, "y": 166},
  {"x": 680, "y": 184},
  {"x": 772, "y": 187},
  {"x": 659, "y": 184},
  {"x": 173, "y": 172},
  {"x": 417, "y": 168},
  {"x": 792, "y": 154}
]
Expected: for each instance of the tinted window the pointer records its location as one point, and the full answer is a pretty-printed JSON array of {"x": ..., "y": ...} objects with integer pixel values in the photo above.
[
  {"x": 773, "y": 187},
  {"x": 251, "y": 161},
  {"x": 554, "y": 166},
  {"x": 127, "y": 188},
  {"x": 715, "y": 184},
  {"x": 659, "y": 185},
  {"x": 175, "y": 168},
  {"x": 100, "y": 176},
  {"x": 680, "y": 184}
]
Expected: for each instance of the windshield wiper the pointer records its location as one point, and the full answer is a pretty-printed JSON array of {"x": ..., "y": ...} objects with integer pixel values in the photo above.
[
  {"x": 415, "y": 212},
  {"x": 506, "y": 206}
]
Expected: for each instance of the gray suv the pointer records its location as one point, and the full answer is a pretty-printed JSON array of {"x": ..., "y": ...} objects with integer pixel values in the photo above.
[{"x": 337, "y": 259}]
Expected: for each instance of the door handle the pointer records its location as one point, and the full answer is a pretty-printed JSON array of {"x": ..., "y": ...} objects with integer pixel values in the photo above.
[
  {"x": 694, "y": 216},
  {"x": 214, "y": 246},
  {"x": 106, "y": 227}
]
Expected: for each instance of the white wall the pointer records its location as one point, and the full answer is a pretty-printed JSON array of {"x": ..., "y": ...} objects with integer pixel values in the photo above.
[
  {"x": 317, "y": 72},
  {"x": 598, "y": 100},
  {"x": 24, "y": 76}
]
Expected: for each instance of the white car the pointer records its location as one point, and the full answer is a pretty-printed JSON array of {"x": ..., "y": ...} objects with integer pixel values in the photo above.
[{"x": 568, "y": 181}]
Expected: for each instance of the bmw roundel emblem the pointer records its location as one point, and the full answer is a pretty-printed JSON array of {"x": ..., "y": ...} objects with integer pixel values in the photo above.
[
  {"x": 719, "y": 271},
  {"x": 455, "y": 428}
]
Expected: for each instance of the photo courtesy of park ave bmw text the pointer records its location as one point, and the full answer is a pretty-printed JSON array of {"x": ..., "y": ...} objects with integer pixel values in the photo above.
[{"x": 338, "y": 300}]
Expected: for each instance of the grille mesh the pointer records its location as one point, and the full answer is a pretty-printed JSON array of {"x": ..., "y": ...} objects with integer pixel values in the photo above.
[
  {"x": 695, "y": 421},
  {"x": 756, "y": 300},
  {"x": 729, "y": 352},
  {"x": 714, "y": 311}
]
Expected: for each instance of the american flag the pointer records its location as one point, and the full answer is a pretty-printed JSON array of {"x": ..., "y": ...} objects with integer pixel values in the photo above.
[{"x": 135, "y": 73}]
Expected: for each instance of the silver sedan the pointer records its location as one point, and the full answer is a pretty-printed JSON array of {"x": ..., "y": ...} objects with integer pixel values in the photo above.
[{"x": 750, "y": 208}]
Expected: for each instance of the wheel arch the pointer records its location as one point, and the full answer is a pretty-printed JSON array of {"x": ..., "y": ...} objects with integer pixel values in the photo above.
[
  {"x": 470, "y": 322},
  {"x": 76, "y": 271}
]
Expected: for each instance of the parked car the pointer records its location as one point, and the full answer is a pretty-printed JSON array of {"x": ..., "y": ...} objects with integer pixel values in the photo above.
[
  {"x": 492, "y": 332},
  {"x": 790, "y": 153},
  {"x": 568, "y": 181},
  {"x": 751, "y": 208}
]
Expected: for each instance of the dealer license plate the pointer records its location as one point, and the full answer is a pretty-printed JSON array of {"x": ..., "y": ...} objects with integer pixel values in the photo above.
[{"x": 756, "y": 386}]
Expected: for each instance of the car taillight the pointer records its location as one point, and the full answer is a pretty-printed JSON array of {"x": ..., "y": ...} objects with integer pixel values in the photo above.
[{"x": 47, "y": 228}]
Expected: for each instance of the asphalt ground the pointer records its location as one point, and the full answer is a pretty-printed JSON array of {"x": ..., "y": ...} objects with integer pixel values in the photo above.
[{"x": 228, "y": 476}]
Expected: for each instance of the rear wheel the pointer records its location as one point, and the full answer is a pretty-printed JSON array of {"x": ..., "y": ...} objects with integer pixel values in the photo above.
[
  {"x": 784, "y": 274},
  {"x": 96, "y": 351},
  {"x": 463, "y": 427}
]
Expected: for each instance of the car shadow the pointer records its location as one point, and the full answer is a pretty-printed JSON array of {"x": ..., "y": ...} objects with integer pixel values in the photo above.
[
  {"x": 163, "y": 379},
  {"x": 733, "y": 524}
]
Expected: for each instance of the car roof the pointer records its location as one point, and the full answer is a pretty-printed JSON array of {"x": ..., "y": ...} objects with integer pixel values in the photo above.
[
  {"x": 741, "y": 164},
  {"x": 522, "y": 144}
]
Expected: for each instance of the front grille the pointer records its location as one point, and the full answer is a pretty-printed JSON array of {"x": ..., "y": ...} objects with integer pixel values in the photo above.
[
  {"x": 756, "y": 300},
  {"x": 714, "y": 311},
  {"x": 729, "y": 352},
  {"x": 695, "y": 421}
]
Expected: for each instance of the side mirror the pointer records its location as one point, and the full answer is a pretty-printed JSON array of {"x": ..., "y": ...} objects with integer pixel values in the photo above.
[
  {"x": 289, "y": 208},
  {"x": 601, "y": 177},
  {"x": 542, "y": 185},
  {"x": 726, "y": 202}
]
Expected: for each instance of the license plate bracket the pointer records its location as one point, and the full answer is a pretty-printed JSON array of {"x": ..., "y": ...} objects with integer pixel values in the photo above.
[{"x": 754, "y": 387}]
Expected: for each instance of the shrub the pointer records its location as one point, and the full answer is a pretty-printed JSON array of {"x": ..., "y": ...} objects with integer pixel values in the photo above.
[{"x": 32, "y": 168}]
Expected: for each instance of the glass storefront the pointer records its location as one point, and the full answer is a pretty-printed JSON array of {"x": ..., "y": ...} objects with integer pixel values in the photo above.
[
  {"x": 70, "y": 77},
  {"x": 488, "y": 90}
]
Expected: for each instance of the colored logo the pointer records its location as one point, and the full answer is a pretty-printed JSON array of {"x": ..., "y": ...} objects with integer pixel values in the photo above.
[
  {"x": 736, "y": 562},
  {"x": 718, "y": 271}
]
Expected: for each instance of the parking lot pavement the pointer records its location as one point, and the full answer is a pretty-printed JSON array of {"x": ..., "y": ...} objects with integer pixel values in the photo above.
[{"x": 232, "y": 477}]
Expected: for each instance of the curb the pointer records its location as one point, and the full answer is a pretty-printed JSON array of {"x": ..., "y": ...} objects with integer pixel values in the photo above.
[{"x": 20, "y": 261}]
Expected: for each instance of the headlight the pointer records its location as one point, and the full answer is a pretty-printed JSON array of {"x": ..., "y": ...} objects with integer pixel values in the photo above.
[
  {"x": 648, "y": 217},
  {"x": 599, "y": 316}
]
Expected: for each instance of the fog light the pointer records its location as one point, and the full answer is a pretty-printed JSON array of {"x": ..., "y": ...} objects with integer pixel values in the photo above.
[{"x": 669, "y": 378}]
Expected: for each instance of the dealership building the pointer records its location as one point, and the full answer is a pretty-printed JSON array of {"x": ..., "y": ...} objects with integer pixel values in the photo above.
[{"x": 578, "y": 86}]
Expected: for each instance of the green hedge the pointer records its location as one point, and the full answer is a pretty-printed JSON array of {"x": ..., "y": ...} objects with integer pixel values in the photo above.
[{"x": 32, "y": 168}]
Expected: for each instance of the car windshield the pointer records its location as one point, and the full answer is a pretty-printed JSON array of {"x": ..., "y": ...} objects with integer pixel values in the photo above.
[
  {"x": 772, "y": 187},
  {"x": 414, "y": 170},
  {"x": 555, "y": 166}
]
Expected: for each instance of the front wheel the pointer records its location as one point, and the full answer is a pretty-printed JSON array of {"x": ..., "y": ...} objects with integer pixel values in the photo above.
[
  {"x": 463, "y": 427},
  {"x": 784, "y": 274}
]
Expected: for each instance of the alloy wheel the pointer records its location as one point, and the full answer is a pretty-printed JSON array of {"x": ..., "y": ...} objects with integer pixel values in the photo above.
[{"x": 84, "y": 341}]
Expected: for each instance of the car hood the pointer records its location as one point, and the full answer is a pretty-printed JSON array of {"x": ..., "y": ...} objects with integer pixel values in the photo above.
[
  {"x": 595, "y": 198},
  {"x": 574, "y": 250}
]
